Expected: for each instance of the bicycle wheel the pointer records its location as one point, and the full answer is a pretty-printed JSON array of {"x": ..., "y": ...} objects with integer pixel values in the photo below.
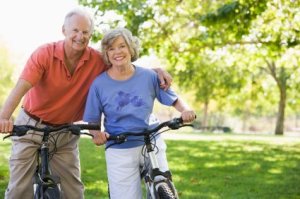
[
  {"x": 164, "y": 191},
  {"x": 148, "y": 194},
  {"x": 49, "y": 192},
  {"x": 52, "y": 193}
]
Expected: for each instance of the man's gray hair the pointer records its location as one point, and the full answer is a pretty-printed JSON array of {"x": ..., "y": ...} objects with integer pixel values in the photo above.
[{"x": 80, "y": 12}]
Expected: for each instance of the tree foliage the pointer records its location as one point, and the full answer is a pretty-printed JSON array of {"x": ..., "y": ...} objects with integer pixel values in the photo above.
[
  {"x": 230, "y": 52},
  {"x": 6, "y": 71}
]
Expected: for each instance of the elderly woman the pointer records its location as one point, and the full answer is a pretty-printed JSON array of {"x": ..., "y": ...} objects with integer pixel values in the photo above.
[{"x": 125, "y": 94}]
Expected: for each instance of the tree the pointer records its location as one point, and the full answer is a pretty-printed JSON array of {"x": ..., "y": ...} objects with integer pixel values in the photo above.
[
  {"x": 199, "y": 40},
  {"x": 6, "y": 71}
]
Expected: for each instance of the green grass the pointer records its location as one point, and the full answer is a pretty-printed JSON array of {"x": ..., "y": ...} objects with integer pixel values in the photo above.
[
  {"x": 216, "y": 167},
  {"x": 4, "y": 156}
]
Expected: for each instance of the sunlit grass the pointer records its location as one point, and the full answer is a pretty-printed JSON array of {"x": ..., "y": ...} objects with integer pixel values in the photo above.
[
  {"x": 213, "y": 167},
  {"x": 4, "y": 156}
]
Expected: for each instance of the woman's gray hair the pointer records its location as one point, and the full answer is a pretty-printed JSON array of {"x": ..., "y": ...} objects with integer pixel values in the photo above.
[
  {"x": 80, "y": 12},
  {"x": 131, "y": 41}
]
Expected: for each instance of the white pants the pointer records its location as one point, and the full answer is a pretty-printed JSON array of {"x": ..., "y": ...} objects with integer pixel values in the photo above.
[{"x": 123, "y": 170}]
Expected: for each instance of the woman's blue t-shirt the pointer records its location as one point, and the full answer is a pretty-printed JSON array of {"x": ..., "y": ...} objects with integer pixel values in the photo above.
[{"x": 126, "y": 105}]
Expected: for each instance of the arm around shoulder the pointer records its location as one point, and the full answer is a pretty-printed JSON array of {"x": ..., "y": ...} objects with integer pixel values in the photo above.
[{"x": 164, "y": 77}]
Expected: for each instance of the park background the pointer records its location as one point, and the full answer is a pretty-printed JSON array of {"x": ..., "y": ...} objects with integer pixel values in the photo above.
[{"x": 235, "y": 62}]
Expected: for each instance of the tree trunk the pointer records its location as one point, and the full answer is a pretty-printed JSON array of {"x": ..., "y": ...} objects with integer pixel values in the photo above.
[
  {"x": 245, "y": 116},
  {"x": 281, "y": 77},
  {"x": 281, "y": 109},
  {"x": 205, "y": 114}
]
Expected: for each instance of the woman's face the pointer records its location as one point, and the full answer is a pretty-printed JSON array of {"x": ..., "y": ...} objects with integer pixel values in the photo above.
[{"x": 118, "y": 53}]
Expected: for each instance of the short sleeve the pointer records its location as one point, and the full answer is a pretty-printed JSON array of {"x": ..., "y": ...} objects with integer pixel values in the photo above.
[{"x": 36, "y": 65}]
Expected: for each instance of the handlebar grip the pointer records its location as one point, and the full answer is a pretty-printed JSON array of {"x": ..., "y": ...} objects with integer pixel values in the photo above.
[
  {"x": 180, "y": 120},
  {"x": 175, "y": 123},
  {"x": 19, "y": 130},
  {"x": 117, "y": 138}
]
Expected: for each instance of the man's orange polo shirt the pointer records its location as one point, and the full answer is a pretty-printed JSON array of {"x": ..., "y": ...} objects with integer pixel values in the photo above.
[{"x": 57, "y": 96}]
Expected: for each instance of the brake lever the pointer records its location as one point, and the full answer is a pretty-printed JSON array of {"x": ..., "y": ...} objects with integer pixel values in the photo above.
[
  {"x": 191, "y": 125},
  {"x": 75, "y": 130},
  {"x": 87, "y": 134},
  {"x": 7, "y": 136}
]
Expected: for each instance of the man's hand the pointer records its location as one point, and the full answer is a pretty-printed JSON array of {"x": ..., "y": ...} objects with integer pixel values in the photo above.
[
  {"x": 6, "y": 126},
  {"x": 164, "y": 77},
  {"x": 99, "y": 137},
  {"x": 15, "y": 96}
]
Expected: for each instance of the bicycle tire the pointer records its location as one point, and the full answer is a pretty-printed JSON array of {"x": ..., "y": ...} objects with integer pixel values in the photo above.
[
  {"x": 51, "y": 192},
  {"x": 164, "y": 191}
]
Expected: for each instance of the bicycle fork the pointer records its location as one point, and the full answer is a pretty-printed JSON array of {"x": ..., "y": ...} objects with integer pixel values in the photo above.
[
  {"x": 154, "y": 176},
  {"x": 43, "y": 179},
  {"x": 42, "y": 166}
]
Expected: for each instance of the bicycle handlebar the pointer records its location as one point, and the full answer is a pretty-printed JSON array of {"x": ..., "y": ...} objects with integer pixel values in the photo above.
[
  {"x": 173, "y": 124},
  {"x": 21, "y": 130}
]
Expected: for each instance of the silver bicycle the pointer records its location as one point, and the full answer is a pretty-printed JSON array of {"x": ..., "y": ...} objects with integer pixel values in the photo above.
[{"x": 159, "y": 185}]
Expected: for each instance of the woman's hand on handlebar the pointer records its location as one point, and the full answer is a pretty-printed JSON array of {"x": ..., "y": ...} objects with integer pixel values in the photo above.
[
  {"x": 6, "y": 126},
  {"x": 188, "y": 116},
  {"x": 99, "y": 137}
]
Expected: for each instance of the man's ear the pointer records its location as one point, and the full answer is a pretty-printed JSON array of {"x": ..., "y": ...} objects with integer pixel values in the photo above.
[{"x": 63, "y": 30}]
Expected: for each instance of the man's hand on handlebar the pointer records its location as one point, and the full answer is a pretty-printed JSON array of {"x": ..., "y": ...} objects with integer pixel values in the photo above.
[
  {"x": 99, "y": 137},
  {"x": 164, "y": 77},
  {"x": 6, "y": 126}
]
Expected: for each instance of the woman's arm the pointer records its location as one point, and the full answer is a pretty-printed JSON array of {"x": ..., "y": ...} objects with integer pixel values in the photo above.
[{"x": 187, "y": 114}]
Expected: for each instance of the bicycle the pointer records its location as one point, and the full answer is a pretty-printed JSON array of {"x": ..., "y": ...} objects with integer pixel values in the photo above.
[
  {"x": 159, "y": 185},
  {"x": 45, "y": 184}
]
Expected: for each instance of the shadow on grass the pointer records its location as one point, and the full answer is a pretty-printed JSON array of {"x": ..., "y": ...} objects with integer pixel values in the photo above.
[
  {"x": 93, "y": 169},
  {"x": 235, "y": 169}
]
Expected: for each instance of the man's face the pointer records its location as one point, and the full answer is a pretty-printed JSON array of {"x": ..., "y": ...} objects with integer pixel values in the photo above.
[{"x": 77, "y": 31}]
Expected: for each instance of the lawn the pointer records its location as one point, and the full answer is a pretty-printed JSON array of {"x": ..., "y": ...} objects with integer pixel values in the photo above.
[{"x": 213, "y": 167}]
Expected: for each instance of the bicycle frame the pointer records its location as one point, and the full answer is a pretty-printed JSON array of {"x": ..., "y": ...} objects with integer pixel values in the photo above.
[{"x": 44, "y": 183}]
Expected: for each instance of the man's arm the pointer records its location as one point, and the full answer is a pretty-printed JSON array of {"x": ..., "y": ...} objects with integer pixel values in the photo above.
[
  {"x": 164, "y": 77},
  {"x": 11, "y": 103}
]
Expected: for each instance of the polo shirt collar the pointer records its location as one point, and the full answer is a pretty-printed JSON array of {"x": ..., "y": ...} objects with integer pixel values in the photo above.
[{"x": 59, "y": 52}]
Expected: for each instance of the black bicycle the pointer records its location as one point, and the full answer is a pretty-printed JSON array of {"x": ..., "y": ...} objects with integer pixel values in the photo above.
[
  {"x": 159, "y": 184},
  {"x": 45, "y": 184}
]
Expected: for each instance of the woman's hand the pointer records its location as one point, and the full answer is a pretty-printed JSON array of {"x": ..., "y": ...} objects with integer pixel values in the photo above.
[
  {"x": 99, "y": 137},
  {"x": 188, "y": 116}
]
